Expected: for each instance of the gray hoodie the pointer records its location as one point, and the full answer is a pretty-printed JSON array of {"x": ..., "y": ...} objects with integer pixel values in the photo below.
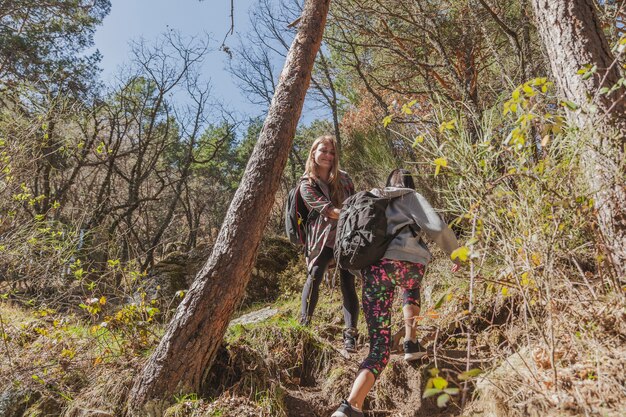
[{"x": 412, "y": 208}]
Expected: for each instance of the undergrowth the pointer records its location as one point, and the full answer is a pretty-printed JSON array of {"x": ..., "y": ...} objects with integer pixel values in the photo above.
[{"x": 534, "y": 324}]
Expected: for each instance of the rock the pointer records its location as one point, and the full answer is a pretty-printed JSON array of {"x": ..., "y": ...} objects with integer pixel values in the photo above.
[
  {"x": 275, "y": 255},
  {"x": 174, "y": 273},
  {"x": 255, "y": 316},
  {"x": 85, "y": 412},
  {"x": 177, "y": 271},
  {"x": 490, "y": 401},
  {"x": 14, "y": 402}
]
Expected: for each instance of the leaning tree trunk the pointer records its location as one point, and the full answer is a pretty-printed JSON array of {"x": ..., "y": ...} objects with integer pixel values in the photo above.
[
  {"x": 181, "y": 361},
  {"x": 573, "y": 38}
]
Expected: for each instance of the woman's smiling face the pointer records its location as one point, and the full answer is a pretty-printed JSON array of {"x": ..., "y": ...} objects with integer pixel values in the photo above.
[{"x": 324, "y": 155}]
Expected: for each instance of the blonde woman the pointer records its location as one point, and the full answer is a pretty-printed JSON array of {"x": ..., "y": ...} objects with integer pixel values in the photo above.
[{"x": 324, "y": 187}]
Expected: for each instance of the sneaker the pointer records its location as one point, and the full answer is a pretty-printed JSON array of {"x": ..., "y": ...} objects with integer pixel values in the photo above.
[
  {"x": 346, "y": 410},
  {"x": 413, "y": 350},
  {"x": 349, "y": 339}
]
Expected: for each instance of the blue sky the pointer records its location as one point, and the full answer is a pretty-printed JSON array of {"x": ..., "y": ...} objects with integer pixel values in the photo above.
[{"x": 147, "y": 19}]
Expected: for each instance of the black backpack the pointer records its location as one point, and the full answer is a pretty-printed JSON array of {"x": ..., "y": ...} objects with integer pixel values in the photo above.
[
  {"x": 297, "y": 216},
  {"x": 362, "y": 237}
]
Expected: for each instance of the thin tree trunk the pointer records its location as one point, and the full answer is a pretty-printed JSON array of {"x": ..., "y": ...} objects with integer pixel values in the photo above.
[
  {"x": 573, "y": 38},
  {"x": 187, "y": 350}
]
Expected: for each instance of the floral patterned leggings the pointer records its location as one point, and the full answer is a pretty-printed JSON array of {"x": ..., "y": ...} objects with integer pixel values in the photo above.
[{"x": 379, "y": 282}]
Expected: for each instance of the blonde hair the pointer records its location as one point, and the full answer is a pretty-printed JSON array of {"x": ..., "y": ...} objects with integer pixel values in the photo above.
[{"x": 334, "y": 180}]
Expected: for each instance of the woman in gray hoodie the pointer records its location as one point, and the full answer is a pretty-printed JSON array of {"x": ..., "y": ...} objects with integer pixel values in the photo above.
[{"x": 403, "y": 265}]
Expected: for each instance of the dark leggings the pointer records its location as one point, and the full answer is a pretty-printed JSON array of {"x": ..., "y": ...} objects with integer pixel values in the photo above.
[
  {"x": 311, "y": 290},
  {"x": 379, "y": 282}
]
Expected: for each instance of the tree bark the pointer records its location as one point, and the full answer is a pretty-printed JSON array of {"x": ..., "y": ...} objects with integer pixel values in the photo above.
[
  {"x": 573, "y": 38},
  {"x": 187, "y": 350}
]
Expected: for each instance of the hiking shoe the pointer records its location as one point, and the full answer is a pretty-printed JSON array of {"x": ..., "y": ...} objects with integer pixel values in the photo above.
[
  {"x": 346, "y": 410},
  {"x": 413, "y": 350},
  {"x": 349, "y": 339}
]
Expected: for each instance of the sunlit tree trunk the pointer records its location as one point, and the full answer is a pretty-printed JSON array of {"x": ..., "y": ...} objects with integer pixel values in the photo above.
[
  {"x": 573, "y": 38},
  {"x": 181, "y": 361}
]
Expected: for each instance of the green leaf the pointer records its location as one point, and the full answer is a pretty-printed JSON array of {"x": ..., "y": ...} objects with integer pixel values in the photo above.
[
  {"x": 442, "y": 400},
  {"x": 430, "y": 392},
  {"x": 451, "y": 391},
  {"x": 440, "y": 302},
  {"x": 470, "y": 374},
  {"x": 570, "y": 105}
]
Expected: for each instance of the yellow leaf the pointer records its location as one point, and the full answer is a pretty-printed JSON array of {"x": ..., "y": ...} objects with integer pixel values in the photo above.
[
  {"x": 431, "y": 314},
  {"x": 446, "y": 126},
  {"x": 418, "y": 139},
  {"x": 505, "y": 291},
  {"x": 440, "y": 162},
  {"x": 440, "y": 383},
  {"x": 525, "y": 280},
  {"x": 103, "y": 300},
  {"x": 536, "y": 258},
  {"x": 386, "y": 121},
  {"x": 461, "y": 253},
  {"x": 406, "y": 108}
]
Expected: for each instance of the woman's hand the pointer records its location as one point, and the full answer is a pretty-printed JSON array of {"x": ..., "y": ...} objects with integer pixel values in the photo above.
[{"x": 334, "y": 213}]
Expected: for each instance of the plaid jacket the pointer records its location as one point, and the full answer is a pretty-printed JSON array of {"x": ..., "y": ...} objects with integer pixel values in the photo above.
[{"x": 321, "y": 228}]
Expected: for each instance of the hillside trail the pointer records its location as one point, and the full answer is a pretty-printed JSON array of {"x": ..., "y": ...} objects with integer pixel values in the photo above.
[
  {"x": 403, "y": 387},
  {"x": 403, "y": 382}
]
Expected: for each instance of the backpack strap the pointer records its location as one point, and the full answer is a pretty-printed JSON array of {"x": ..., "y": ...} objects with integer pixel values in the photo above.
[
  {"x": 415, "y": 229},
  {"x": 311, "y": 214}
]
